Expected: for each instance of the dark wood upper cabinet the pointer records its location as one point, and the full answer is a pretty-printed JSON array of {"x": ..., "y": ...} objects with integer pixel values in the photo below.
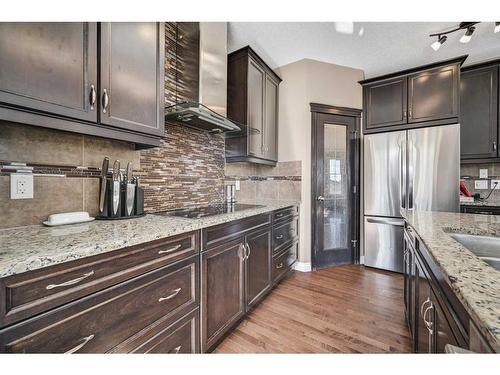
[
  {"x": 222, "y": 290},
  {"x": 50, "y": 67},
  {"x": 385, "y": 103},
  {"x": 433, "y": 94},
  {"x": 52, "y": 75},
  {"x": 252, "y": 101},
  {"x": 132, "y": 76},
  {"x": 479, "y": 112},
  {"x": 257, "y": 266},
  {"x": 423, "y": 96}
]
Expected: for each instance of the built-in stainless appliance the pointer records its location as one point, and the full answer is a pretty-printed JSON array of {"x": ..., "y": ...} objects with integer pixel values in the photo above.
[
  {"x": 210, "y": 210},
  {"x": 416, "y": 169}
]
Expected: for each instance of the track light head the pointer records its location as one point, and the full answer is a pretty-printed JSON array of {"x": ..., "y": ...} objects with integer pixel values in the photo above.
[
  {"x": 468, "y": 35},
  {"x": 497, "y": 27},
  {"x": 438, "y": 43}
]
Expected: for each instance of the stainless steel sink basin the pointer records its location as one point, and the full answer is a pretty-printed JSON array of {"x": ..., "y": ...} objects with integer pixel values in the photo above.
[{"x": 486, "y": 248}]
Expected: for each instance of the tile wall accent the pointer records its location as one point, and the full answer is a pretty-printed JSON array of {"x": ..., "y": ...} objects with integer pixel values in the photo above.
[
  {"x": 470, "y": 172},
  {"x": 261, "y": 181},
  {"x": 70, "y": 164}
]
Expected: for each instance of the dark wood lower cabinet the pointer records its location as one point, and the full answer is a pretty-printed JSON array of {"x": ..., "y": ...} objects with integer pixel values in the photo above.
[
  {"x": 257, "y": 266},
  {"x": 433, "y": 315},
  {"x": 222, "y": 290},
  {"x": 158, "y": 297}
]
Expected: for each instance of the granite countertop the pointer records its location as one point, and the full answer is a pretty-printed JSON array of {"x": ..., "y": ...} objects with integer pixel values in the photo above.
[
  {"x": 32, "y": 247},
  {"x": 475, "y": 283}
]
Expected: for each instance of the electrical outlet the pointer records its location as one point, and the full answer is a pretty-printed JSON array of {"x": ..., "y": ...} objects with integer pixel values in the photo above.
[
  {"x": 497, "y": 182},
  {"x": 483, "y": 173},
  {"x": 21, "y": 186},
  {"x": 237, "y": 185},
  {"x": 481, "y": 184}
]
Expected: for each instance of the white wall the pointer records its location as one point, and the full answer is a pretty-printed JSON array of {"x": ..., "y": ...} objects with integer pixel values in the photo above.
[{"x": 304, "y": 82}]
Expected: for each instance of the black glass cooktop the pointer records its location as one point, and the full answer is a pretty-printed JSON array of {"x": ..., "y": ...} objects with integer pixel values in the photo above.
[{"x": 211, "y": 210}]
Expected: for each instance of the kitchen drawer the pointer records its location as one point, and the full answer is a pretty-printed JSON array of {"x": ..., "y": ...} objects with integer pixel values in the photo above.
[
  {"x": 221, "y": 233},
  {"x": 285, "y": 213},
  {"x": 97, "y": 323},
  {"x": 283, "y": 262},
  {"x": 32, "y": 292},
  {"x": 164, "y": 337},
  {"x": 284, "y": 233}
]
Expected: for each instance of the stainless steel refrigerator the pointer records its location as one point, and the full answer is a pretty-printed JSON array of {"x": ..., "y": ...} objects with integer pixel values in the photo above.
[{"x": 416, "y": 169}]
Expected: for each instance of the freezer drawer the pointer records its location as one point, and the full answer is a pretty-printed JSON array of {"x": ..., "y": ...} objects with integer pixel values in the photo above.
[
  {"x": 384, "y": 243},
  {"x": 384, "y": 173}
]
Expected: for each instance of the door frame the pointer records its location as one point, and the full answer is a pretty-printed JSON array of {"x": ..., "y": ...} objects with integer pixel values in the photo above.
[{"x": 316, "y": 110}]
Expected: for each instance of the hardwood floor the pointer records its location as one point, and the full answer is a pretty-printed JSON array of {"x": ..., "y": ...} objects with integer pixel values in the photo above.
[{"x": 346, "y": 309}]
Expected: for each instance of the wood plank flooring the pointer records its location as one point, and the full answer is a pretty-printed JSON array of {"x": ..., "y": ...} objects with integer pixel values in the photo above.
[{"x": 345, "y": 309}]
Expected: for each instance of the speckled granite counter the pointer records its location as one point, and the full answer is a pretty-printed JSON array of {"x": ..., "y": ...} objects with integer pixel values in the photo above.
[
  {"x": 475, "y": 283},
  {"x": 32, "y": 247}
]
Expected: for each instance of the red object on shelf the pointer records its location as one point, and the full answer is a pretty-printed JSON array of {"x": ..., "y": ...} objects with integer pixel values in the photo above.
[{"x": 464, "y": 190}]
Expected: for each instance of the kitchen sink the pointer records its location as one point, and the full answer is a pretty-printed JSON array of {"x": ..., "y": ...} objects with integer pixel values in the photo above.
[{"x": 485, "y": 247}]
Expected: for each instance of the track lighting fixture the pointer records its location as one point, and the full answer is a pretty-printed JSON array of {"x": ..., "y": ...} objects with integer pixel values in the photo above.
[
  {"x": 468, "y": 35},
  {"x": 438, "y": 43},
  {"x": 469, "y": 28}
]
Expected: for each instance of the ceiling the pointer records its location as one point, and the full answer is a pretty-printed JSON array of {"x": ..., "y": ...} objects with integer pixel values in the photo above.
[{"x": 375, "y": 47}]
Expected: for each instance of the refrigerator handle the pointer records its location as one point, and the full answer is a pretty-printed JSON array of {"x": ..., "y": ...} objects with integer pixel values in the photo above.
[
  {"x": 402, "y": 174},
  {"x": 411, "y": 172}
]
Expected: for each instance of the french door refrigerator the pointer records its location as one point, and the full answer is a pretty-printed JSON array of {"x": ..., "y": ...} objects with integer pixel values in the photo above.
[{"x": 416, "y": 169}]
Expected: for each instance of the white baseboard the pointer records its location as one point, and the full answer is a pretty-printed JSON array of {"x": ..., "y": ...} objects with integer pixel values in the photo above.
[
  {"x": 302, "y": 267},
  {"x": 362, "y": 259}
]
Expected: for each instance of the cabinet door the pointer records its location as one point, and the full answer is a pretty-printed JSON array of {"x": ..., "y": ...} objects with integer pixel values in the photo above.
[
  {"x": 407, "y": 273},
  {"x": 257, "y": 266},
  {"x": 442, "y": 331},
  {"x": 256, "y": 82},
  {"x": 222, "y": 290},
  {"x": 479, "y": 113},
  {"x": 433, "y": 94},
  {"x": 423, "y": 304},
  {"x": 271, "y": 120},
  {"x": 50, "y": 67},
  {"x": 132, "y": 70},
  {"x": 385, "y": 103}
]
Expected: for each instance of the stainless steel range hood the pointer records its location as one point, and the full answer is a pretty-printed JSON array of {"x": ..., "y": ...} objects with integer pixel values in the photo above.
[{"x": 202, "y": 103}]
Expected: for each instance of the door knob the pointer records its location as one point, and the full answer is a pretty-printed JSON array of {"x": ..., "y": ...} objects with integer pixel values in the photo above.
[{"x": 320, "y": 198}]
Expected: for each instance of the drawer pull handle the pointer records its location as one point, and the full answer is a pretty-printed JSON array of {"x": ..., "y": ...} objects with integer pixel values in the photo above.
[
  {"x": 170, "y": 296},
  {"x": 70, "y": 282},
  {"x": 170, "y": 250},
  {"x": 279, "y": 237},
  {"x": 278, "y": 266},
  {"x": 176, "y": 350},
  {"x": 81, "y": 345},
  {"x": 279, "y": 215}
]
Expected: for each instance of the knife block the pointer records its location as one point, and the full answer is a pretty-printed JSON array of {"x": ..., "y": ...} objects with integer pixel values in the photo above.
[{"x": 107, "y": 213}]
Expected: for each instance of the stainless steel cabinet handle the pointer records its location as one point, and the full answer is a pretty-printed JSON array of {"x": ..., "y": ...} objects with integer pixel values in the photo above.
[
  {"x": 176, "y": 350},
  {"x": 170, "y": 250},
  {"x": 70, "y": 282},
  {"x": 92, "y": 97},
  {"x": 278, "y": 266},
  {"x": 279, "y": 237},
  {"x": 428, "y": 323},
  {"x": 409, "y": 113},
  {"x": 248, "y": 249},
  {"x": 404, "y": 114},
  {"x": 320, "y": 198},
  {"x": 170, "y": 296},
  {"x": 81, "y": 345},
  {"x": 494, "y": 146},
  {"x": 422, "y": 307},
  {"x": 242, "y": 252},
  {"x": 105, "y": 100}
]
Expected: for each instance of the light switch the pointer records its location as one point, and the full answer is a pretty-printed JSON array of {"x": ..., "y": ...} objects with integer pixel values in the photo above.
[
  {"x": 481, "y": 184},
  {"x": 483, "y": 173}
]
